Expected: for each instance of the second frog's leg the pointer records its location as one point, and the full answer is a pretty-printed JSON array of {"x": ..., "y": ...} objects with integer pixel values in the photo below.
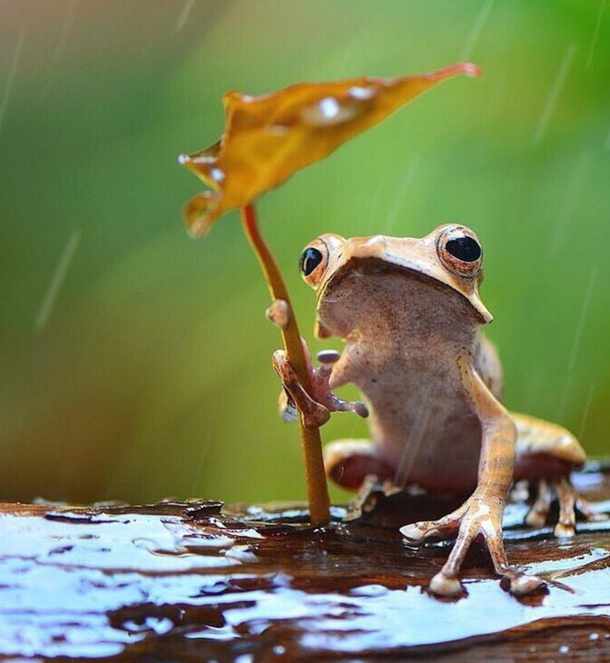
[
  {"x": 349, "y": 462},
  {"x": 359, "y": 465},
  {"x": 546, "y": 454},
  {"x": 537, "y": 515}
]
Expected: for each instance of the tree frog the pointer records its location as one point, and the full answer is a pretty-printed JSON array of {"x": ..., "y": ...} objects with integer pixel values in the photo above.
[{"x": 409, "y": 312}]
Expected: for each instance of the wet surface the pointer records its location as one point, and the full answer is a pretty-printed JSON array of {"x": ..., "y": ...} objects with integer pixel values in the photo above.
[{"x": 195, "y": 581}]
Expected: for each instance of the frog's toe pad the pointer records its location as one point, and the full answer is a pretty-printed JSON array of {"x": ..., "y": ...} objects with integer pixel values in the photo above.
[
  {"x": 522, "y": 585},
  {"x": 443, "y": 585},
  {"x": 536, "y": 518},
  {"x": 361, "y": 409},
  {"x": 415, "y": 533},
  {"x": 328, "y": 356},
  {"x": 562, "y": 531}
]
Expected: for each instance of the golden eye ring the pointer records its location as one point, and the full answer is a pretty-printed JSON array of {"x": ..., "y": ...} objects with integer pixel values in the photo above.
[
  {"x": 460, "y": 251},
  {"x": 313, "y": 261}
]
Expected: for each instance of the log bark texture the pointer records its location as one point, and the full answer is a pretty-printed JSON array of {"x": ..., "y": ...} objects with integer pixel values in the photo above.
[{"x": 193, "y": 581}]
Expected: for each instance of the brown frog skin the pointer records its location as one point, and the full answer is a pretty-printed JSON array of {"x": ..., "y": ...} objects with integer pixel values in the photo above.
[{"x": 409, "y": 311}]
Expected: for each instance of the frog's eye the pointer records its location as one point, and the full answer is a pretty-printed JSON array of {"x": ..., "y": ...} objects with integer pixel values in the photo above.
[
  {"x": 460, "y": 251},
  {"x": 464, "y": 248},
  {"x": 313, "y": 261},
  {"x": 310, "y": 259}
]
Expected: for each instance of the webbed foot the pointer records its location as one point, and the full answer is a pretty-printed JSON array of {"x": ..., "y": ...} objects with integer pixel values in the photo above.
[{"x": 477, "y": 517}]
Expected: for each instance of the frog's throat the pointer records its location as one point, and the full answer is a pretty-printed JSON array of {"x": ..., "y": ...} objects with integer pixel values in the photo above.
[{"x": 371, "y": 265}]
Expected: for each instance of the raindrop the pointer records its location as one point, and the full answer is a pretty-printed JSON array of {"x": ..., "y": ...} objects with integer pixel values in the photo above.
[
  {"x": 551, "y": 100},
  {"x": 64, "y": 33},
  {"x": 360, "y": 92},
  {"x": 184, "y": 15},
  {"x": 62, "y": 41},
  {"x": 598, "y": 23},
  {"x": 577, "y": 337},
  {"x": 329, "y": 112},
  {"x": 582, "y": 317},
  {"x": 8, "y": 86},
  {"x": 417, "y": 434},
  {"x": 572, "y": 189},
  {"x": 57, "y": 280},
  {"x": 476, "y": 30},
  {"x": 329, "y": 107}
]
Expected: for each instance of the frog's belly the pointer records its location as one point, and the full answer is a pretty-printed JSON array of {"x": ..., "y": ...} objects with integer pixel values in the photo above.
[{"x": 432, "y": 443}]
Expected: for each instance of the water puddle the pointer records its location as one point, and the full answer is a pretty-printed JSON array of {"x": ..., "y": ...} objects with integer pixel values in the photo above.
[{"x": 191, "y": 580}]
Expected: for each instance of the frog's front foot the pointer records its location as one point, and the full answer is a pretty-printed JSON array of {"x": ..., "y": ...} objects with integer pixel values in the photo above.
[
  {"x": 569, "y": 502},
  {"x": 476, "y": 518},
  {"x": 315, "y": 407}
]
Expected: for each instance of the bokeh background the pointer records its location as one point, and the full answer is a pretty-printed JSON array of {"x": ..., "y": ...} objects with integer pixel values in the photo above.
[{"x": 135, "y": 361}]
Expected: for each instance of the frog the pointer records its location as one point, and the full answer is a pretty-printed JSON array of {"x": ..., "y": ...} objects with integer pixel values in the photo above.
[{"x": 409, "y": 312}]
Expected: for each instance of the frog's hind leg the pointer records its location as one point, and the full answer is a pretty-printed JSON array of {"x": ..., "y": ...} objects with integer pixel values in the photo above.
[
  {"x": 359, "y": 465},
  {"x": 546, "y": 454},
  {"x": 569, "y": 502},
  {"x": 537, "y": 515},
  {"x": 349, "y": 462},
  {"x": 566, "y": 495},
  {"x": 446, "y": 582}
]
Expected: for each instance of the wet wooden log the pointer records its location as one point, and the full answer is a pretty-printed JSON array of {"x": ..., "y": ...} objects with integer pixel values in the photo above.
[{"x": 193, "y": 581}]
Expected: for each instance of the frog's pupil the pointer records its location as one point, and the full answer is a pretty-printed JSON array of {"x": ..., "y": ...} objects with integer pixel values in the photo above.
[
  {"x": 464, "y": 248},
  {"x": 310, "y": 259}
]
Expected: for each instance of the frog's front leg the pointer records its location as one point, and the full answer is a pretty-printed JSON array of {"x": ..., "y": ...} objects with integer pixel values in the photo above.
[
  {"x": 315, "y": 407},
  {"x": 481, "y": 514}
]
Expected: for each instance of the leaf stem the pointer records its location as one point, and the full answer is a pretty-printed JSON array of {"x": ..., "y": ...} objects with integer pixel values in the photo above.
[{"x": 311, "y": 444}]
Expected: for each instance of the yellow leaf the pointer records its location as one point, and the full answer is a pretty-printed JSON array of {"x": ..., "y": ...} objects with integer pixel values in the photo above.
[{"x": 269, "y": 137}]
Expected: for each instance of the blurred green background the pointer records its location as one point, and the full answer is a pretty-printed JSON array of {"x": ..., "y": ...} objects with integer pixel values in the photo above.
[{"x": 135, "y": 361}]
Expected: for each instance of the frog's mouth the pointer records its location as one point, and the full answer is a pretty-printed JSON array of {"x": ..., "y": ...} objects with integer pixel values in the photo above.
[{"x": 358, "y": 267}]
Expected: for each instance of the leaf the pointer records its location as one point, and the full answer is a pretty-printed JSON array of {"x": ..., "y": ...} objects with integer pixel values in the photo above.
[{"x": 269, "y": 137}]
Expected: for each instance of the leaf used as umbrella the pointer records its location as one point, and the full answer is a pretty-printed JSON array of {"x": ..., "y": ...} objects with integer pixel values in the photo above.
[{"x": 270, "y": 136}]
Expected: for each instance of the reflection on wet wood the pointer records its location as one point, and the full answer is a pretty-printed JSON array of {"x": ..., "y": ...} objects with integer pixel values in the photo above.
[{"x": 193, "y": 581}]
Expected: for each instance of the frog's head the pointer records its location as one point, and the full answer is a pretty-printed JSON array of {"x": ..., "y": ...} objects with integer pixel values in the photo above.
[{"x": 435, "y": 274}]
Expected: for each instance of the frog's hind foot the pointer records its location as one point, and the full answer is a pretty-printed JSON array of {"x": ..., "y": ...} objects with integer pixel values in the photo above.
[
  {"x": 367, "y": 497},
  {"x": 569, "y": 502},
  {"x": 520, "y": 583},
  {"x": 467, "y": 524},
  {"x": 365, "y": 500},
  {"x": 517, "y": 582}
]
